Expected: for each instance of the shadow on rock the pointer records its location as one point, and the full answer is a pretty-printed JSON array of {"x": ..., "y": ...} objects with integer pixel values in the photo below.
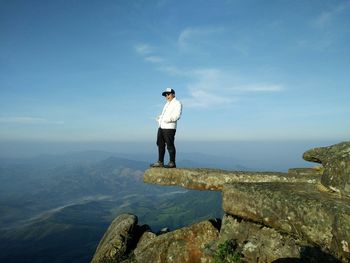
[{"x": 310, "y": 255}]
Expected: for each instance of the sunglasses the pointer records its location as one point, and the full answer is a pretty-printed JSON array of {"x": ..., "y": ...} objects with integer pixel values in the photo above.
[{"x": 167, "y": 94}]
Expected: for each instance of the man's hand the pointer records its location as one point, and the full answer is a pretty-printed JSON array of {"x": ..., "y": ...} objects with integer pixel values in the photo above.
[{"x": 168, "y": 121}]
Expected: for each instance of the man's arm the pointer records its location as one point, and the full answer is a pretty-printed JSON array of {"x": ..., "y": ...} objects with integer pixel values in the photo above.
[{"x": 176, "y": 112}]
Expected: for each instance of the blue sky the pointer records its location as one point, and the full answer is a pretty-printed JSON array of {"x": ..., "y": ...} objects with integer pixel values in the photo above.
[{"x": 244, "y": 70}]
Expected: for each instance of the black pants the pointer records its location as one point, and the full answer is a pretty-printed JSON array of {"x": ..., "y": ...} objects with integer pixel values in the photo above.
[{"x": 166, "y": 136}]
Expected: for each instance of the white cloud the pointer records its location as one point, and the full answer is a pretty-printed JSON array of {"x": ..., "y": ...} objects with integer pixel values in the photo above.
[
  {"x": 154, "y": 59},
  {"x": 207, "y": 87},
  {"x": 325, "y": 18},
  {"x": 184, "y": 36},
  {"x": 200, "y": 98},
  {"x": 218, "y": 88},
  {"x": 144, "y": 49},
  {"x": 28, "y": 120},
  {"x": 316, "y": 45},
  {"x": 148, "y": 53},
  {"x": 261, "y": 88},
  {"x": 322, "y": 19},
  {"x": 192, "y": 35},
  {"x": 174, "y": 71},
  {"x": 325, "y": 37}
]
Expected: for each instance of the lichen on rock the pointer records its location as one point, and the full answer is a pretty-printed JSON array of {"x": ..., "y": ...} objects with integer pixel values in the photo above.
[
  {"x": 336, "y": 162},
  {"x": 116, "y": 241},
  {"x": 183, "y": 245}
]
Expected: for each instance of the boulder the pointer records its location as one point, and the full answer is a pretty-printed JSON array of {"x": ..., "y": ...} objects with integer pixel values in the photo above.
[
  {"x": 214, "y": 179},
  {"x": 336, "y": 162},
  {"x": 256, "y": 242},
  {"x": 117, "y": 240},
  {"x": 320, "y": 218},
  {"x": 187, "y": 244}
]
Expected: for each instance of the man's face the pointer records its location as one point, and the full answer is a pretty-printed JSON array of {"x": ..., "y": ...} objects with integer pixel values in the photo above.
[{"x": 169, "y": 96}]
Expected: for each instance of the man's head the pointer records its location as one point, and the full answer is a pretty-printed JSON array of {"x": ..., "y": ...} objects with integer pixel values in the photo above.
[{"x": 169, "y": 94}]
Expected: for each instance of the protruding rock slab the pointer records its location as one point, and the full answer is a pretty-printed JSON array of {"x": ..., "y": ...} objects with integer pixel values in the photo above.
[
  {"x": 321, "y": 218},
  {"x": 214, "y": 179},
  {"x": 336, "y": 162},
  {"x": 116, "y": 241},
  {"x": 184, "y": 245}
]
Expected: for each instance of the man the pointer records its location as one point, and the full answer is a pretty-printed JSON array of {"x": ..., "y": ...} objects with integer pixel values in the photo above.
[{"x": 167, "y": 122}]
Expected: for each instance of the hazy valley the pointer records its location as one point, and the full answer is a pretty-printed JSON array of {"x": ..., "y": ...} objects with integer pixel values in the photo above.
[{"x": 57, "y": 207}]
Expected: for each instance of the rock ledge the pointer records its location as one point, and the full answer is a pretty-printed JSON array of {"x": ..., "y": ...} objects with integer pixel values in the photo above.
[
  {"x": 215, "y": 179},
  {"x": 269, "y": 217}
]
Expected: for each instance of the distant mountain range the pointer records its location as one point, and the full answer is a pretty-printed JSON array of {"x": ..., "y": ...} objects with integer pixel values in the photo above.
[{"x": 55, "y": 208}]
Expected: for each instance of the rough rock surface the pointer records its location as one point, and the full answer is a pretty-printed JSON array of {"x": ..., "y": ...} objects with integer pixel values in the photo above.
[
  {"x": 307, "y": 173},
  {"x": 187, "y": 244},
  {"x": 336, "y": 162},
  {"x": 258, "y": 243},
  {"x": 302, "y": 210},
  {"x": 116, "y": 241},
  {"x": 214, "y": 179}
]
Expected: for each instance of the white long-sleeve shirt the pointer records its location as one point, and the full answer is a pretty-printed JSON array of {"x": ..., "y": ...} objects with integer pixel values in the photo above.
[{"x": 170, "y": 115}]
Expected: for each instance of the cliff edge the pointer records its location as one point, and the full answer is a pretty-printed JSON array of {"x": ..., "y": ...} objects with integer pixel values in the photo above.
[{"x": 303, "y": 215}]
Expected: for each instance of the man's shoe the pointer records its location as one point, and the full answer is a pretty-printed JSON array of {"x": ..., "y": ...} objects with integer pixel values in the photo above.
[
  {"x": 157, "y": 165},
  {"x": 170, "y": 165}
]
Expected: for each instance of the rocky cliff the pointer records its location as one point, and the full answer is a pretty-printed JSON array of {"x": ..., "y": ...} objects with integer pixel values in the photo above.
[{"x": 299, "y": 216}]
